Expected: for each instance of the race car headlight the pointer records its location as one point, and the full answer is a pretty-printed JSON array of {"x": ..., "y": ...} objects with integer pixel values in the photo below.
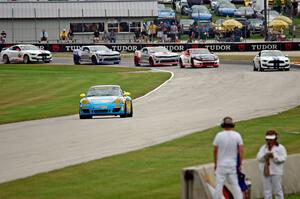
[
  {"x": 117, "y": 101},
  {"x": 264, "y": 60},
  {"x": 85, "y": 101}
]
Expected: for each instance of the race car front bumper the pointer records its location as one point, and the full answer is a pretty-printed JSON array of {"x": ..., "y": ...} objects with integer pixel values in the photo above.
[
  {"x": 205, "y": 63},
  {"x": 166, "y": 61},
  {"x": 277, "y": 64},
  {"x": 103, "y": 109}
]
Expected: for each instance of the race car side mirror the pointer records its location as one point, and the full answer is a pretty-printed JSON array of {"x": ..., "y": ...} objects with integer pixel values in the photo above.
[
  {"x": 126, "y": 93},
  {"x": 82, "y": 95}
]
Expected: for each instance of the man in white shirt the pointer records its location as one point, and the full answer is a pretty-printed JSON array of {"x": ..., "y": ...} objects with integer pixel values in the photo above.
[
  {"x": 271, "y": 157},
  {"x": 228, "y": 145}
]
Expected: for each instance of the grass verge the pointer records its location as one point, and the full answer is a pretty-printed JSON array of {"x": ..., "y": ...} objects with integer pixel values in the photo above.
[
  {"x": 40, "y": 91},
  {"x": 150, "y": 173}
]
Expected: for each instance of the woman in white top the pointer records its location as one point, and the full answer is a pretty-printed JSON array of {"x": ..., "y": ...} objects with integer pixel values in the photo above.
[{"x": 271, "y": 157}]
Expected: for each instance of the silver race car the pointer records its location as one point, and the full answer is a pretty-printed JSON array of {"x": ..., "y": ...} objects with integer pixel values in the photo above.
[
  {"x": 96, "y": 55},
  {"x": 271, "y": 59},
  {"x": 155, "y": 56}
]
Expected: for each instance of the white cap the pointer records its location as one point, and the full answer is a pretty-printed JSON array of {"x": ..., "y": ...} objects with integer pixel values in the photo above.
[{"x": 270, "y": 137}]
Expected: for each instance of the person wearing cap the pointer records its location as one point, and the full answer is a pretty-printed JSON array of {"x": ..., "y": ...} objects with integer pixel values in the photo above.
[
  {"x": 271, "y": 157},
  {"x": 228, "y": 148},
  {"x": 63, "y": 35}
]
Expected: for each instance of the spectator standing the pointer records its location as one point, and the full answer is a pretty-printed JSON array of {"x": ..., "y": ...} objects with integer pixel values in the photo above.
[
  {"x": 191, "y": 33},
  {"x": 3, "y": 36},
  {"x": 71, "y": 35},
  {"x": 137, "y": 35},
  {"x": 228, "y": 147},
  {"x": 173, "y": 31},
  {"x": 152, "y": 31},
  {"x": 105, "y": 36},
  {"x": 44, "y": 36},
  {"x": 96, "y": 36},
  {"x": 295, "y": 7},
  {"x": 63, "y": 35},
  {"x": 271, "y": 157},
  {"x": 165, "y": 30},
  {"x": 112, "y": 36},
  {"x": 144, "y": 35},
  {"x": 237, "y": 33}
]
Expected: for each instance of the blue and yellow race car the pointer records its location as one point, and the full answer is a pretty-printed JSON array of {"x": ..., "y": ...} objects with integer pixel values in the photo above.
[{"x": 105, "y": 100}]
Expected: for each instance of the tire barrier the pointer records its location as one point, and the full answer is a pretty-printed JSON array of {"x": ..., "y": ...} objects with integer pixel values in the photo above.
[
  {"x": 214, "y": 47},
  {"x": 198, "y": 181}
]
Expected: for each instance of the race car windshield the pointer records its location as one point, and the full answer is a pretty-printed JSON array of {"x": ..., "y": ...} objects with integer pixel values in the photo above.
[
  {"x": 271, "y": 53},
  {"x": 200, "y": 51},
  {"x": 29, "y": 48},
  {"x": 158, "y": 49},
  {"x": 104, "y": 91},
  {"x": 98, "y": 48}
]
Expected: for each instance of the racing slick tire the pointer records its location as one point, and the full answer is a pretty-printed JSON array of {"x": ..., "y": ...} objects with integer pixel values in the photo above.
[
  {"x": 6, "y": 59},
  {"x": 85, "y": 116},
  {"x": 254, "y": 68},
  {"x": 131, "y": 111},
  {"x": 76, "y": 60},
  {"x": 192, "y": 63},
  {"x": 136, "y": 62},
  {"x": 125, "y": 112},
  {"x": 260, "y": 68},
  {"x": 287, "y": 69},
  {"x": 117, "y": 62},
  {"x": 94, "y": 60},
  {"x": 151, "y": 61},
  {"x": 181, "y": 64},
  {"x": 26, "y": 59}
]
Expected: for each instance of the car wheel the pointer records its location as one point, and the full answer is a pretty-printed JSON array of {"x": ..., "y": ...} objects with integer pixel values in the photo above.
[
  {"x": 151, "y": 61},
  {"x": 76, "y": 60},
  {"x": 181, "y": 64},
  {"x": 287, "y": 69},
  {"x": 131, "y": 110},
  {"x": 125, "y": 112},
  {"x": 94, "y": 60},
  {"x": 254, "y": 68},
  {"x": 6, "y": 59},
  {"x": 85, "y": 116},
  {"x": 260, "y": 68},
  {"x": 136, "y": 61},
  {"x": 117, "y": 62},
  {"x": 26, "y": 59},
  {"x": 192, "y": 63}
]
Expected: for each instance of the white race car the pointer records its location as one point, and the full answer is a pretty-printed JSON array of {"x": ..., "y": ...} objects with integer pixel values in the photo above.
[
  {"x": 25, "y": 53},
  {"x": 96, "y": 55},
  {"x": 198, "y": 57},
  {"x": 271, "y": 59},
  {"x": 155, "y": 56}
]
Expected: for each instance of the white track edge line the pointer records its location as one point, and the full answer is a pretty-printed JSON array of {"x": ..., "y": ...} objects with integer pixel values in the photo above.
[{"x": 149, "y": 93}]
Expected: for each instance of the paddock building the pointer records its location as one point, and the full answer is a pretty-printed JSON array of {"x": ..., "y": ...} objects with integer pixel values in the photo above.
[{"x": 23, "y": 21}]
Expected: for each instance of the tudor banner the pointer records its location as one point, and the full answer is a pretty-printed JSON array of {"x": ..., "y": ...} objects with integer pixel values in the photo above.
[{"x": 214, "y": 47}]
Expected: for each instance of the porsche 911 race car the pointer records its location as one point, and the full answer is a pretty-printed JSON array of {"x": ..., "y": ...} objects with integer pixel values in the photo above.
[
  {"x": 271, "y": 59},
  {"x": 198, "y": 57},
  {"x": 155, "y": 56},
  {"x": 96, "y": 55},
  {"x": 105, "y": 100},
  {"x": 25, "y": 53}
]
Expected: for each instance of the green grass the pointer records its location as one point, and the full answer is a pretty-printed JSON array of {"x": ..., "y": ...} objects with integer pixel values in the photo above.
[
  {"x": 40, "y": 91},
  {"x": 152, "y": 172}
]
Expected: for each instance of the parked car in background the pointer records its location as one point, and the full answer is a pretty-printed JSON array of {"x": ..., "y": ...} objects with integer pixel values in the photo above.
[
  {"x": 198, "y": 2},
  {"x": 256, "y": 26},
  {"x": 271, "y": 59},
  {"x": 200, "y": 12},
  {"x": 105, "y": 100},
  {"x": 185, "y": 24},
  {"x": 155, "y": 56},
  {"x": 166, "y": 13},
  {"x": 96, "y": 55},
  {"x": 215, "y": 3},
  {"x": 225, "y": 9},
  {"x": 182, "y": 7},
  {"x": 246, "y": 26},
  {"x": 238, "y": 1},
  {"x": 271, "y": 14},
  {"x": 25, "y": 53},
  {"x": 198, "y": 57},
  {"x": 247, "y": 12},
  {"x": 160, "y": 6}
]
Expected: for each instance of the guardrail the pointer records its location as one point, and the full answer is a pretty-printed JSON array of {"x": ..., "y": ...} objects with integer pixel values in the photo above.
[{"x": 177, "y": 47}]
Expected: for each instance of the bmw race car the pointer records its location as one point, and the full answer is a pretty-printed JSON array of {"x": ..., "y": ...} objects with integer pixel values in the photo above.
[
  {"x": 25, "y": 53},
  {"x": 155, "y": 56},
  {"x": 198, "y": 57},
  {"x": 271, "y": 59},
  {"x": 105, "y": 100},
  {"x": 96, "y": 55}
]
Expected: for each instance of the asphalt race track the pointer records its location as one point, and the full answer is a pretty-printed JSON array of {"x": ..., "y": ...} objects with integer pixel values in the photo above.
[{"x": 193, "y": 100}]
